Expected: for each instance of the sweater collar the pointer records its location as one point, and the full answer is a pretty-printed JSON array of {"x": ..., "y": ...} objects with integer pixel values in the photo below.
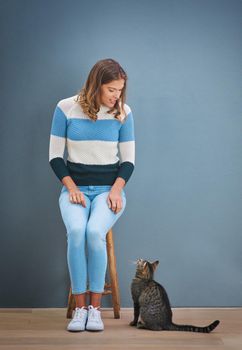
[
  {"x": 103, "y": 108},
  {"x": 102, "y": 113}
]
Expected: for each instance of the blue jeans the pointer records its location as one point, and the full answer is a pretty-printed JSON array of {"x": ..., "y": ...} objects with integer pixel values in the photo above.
[{"x": 87, "y": 228}]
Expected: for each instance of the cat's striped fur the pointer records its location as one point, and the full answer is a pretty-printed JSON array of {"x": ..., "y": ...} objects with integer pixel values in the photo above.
[{"x": 152, "y": 304}]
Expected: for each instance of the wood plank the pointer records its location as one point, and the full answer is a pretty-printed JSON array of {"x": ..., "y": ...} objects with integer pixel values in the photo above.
[{"x": 45, "y": 328}]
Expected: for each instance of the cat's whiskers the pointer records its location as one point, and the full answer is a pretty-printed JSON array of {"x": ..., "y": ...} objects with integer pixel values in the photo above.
[{"x": 132, "y": 262}]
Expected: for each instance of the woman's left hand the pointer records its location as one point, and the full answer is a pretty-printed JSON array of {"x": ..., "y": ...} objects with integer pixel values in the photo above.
[{"x": 114, "y": 200}]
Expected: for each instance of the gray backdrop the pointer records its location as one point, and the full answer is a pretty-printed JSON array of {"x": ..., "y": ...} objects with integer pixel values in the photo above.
[{"x": 184, "y": 199}]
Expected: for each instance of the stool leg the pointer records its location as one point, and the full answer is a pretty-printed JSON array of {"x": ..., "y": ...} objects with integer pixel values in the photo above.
[{"x": 113, "y": 274}]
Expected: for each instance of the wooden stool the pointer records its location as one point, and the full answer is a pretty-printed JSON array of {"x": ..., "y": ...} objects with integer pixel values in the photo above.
[{"x": 111, "y": 288}]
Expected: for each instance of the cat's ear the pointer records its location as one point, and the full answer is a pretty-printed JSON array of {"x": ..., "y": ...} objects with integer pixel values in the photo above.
[{"x": 154, "y": 264}]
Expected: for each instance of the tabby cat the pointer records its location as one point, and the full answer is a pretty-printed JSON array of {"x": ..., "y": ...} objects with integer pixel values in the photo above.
[{"x": 151, "y": 303}]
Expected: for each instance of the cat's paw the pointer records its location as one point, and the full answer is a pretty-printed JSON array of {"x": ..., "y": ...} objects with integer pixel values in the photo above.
[
  {"x": 133, "y": 323},
  {"x": 140, "y": 325}
]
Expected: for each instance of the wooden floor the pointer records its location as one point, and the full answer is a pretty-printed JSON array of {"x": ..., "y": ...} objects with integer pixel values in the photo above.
[{"x": 42, "y": 329}]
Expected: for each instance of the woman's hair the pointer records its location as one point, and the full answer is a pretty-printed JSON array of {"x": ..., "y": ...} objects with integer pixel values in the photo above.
[{"x": 103, "y": 72}]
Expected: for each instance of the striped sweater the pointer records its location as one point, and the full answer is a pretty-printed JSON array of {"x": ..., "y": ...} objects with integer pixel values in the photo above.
[{"x": 92, "y": 146}]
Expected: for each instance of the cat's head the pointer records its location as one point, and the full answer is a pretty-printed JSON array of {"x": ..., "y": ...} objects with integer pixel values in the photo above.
[{"x": 145, "y": 269}]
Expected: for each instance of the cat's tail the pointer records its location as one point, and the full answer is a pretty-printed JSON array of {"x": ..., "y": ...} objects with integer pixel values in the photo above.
[{"x": 190, "y": 328}]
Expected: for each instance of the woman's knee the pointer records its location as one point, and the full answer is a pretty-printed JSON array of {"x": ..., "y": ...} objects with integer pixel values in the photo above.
[
  {"x": 76, "y": 235},
  {"x": 95, "y": 238}
]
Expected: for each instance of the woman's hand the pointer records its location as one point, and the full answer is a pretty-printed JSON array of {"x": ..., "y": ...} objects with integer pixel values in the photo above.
[
  {"x": 76, "y": 196},
  {"x": 114, "y": 200}
]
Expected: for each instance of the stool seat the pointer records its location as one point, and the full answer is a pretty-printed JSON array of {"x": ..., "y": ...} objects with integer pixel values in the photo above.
[{"x": 109, "y": 288}]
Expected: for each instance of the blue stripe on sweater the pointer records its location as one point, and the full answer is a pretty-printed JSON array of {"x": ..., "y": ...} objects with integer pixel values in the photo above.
[
  {"x": 127, "y": 130},
  {"x": 85, "y": 129},
  {"x": 58, "y": 127}
]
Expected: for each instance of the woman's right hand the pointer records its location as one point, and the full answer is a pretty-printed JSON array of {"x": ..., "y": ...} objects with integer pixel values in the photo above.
[{"x": 77, "y": 197}]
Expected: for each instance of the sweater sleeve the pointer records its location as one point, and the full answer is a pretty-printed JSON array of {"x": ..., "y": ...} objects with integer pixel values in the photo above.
[
  {"x": 57, "y": 143},
  {"x": 127, "y": 147}
]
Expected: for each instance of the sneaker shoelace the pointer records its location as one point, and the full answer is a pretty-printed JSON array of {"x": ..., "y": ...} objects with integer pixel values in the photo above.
[
  {"x": 93, "y": 314},
  {"x": 79, "y": 314}
]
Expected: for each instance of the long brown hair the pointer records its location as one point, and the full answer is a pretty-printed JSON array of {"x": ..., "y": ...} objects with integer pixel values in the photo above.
[{"x": 103, "y": 72}]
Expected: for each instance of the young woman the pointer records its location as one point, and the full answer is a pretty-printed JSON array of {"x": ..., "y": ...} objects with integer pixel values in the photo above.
[{"x": 94, "y": 125}]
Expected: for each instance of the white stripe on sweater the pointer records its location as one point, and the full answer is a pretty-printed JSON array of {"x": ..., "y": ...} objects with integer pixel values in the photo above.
[
  {"x": 56, "y": 147},
  {"x": 92, "y": 152},
  {"x": 127, "y": 151}
]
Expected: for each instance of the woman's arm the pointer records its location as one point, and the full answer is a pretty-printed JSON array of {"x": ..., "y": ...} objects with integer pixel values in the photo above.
[
  {"x": 56, "y": 155},
  {"x": 127, "y": 155},
  {"x": 68, "y": 183},
  {"x": 119, "y": 184},
  {"x": 57, "y": 143},
  {"x": 75, "y": 195},
  {"x": 127, "y": 148}
]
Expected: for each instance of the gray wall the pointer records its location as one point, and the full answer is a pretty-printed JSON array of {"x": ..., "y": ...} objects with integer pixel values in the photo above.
[{"x": 184, "y": 199}]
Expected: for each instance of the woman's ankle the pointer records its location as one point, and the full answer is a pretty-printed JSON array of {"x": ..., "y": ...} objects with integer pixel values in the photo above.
[
  {"x": 96, "y": 306},
  {"x": 80, "y": 306},
  {"x": 80, "y": 300}
]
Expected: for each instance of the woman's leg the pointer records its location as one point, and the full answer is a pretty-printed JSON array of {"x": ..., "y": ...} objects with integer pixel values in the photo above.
[
  {"x": 101, "y": 220},
  {"x": 75, "y": 218}
]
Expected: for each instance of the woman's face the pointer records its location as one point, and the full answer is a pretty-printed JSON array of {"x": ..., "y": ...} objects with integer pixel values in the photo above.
[{"x": 111, "y": 91}]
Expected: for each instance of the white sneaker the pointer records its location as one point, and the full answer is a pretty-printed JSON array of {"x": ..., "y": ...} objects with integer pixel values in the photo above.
[
  {"x": 94, "y": 322},
  {"x": 78, "y": 321}
]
